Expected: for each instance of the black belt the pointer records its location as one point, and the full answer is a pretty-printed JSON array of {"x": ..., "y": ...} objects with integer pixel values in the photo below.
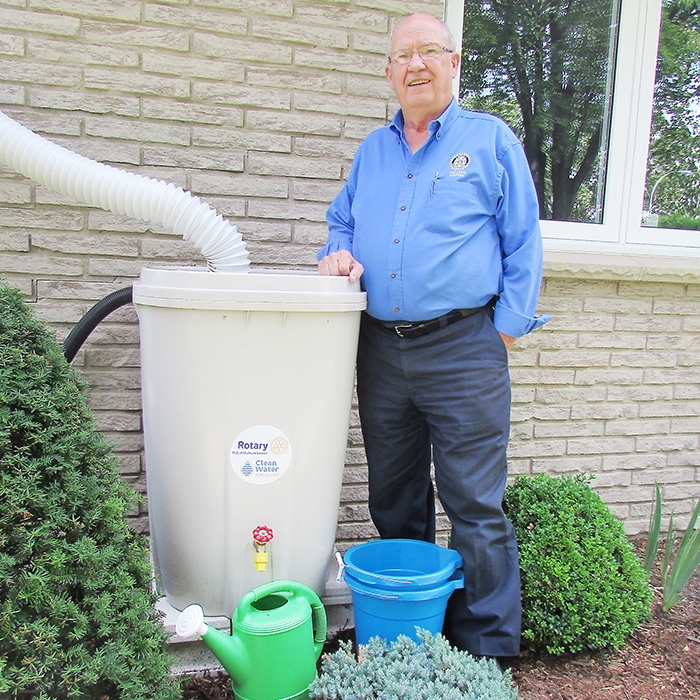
[{"x": 419, "y": 328}]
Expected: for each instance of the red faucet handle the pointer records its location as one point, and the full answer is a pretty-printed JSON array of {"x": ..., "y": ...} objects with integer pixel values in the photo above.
[{"x": 262, "y": 534}]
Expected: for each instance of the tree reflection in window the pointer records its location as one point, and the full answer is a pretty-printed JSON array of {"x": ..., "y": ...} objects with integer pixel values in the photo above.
[
  {"x": 547, "y": 67},
  {"x": 672, "y": 195}
]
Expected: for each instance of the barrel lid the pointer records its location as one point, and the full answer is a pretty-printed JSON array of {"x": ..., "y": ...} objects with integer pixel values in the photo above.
[{"x": 254, "y": 290}]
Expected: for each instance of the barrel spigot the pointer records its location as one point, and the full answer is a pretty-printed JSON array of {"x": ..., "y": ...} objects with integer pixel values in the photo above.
[{"x": 261, "y": 536}]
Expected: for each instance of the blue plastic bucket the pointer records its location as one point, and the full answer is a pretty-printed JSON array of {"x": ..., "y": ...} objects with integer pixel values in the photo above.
[
  {"x": 390, "y": 612},
  {"x": 398, "y": 563}
]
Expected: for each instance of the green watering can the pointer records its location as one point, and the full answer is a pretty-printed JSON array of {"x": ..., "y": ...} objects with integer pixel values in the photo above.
[{"x": 272, "y": 650}]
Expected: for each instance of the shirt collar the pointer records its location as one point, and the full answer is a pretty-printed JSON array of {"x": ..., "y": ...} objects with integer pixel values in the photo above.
[{"x": 441, "y": 123}]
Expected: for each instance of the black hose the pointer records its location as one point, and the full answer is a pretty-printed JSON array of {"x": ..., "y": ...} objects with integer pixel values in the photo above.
[{"x": 89, "y": 321}]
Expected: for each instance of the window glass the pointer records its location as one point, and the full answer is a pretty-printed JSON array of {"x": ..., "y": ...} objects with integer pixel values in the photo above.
[
  {"x": 672, "y": 192},
  {"x": 547, "y": 68}
]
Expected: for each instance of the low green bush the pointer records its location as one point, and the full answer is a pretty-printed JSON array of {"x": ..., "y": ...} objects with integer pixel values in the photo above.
[
  {"x": 405, "y": 670},
  {"x": 77, "y": 617},
  {"x": 582, "y": 585}
]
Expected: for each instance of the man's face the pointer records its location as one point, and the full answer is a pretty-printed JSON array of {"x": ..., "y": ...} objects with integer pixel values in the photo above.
[{"x": 423, "y": 86}]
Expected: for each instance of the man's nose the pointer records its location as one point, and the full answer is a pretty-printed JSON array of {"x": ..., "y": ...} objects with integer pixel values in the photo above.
[{"x": 416, "y": 61}]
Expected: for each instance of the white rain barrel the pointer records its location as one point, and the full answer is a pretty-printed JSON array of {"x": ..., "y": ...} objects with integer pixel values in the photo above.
[{"x": 247, "y": 384}]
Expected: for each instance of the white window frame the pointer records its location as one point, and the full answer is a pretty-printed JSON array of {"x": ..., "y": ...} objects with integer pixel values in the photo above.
[{"x": 621, "y": 230}]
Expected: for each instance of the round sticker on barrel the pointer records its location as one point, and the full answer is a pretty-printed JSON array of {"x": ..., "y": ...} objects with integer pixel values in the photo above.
[{"x": 261, "y": 454}]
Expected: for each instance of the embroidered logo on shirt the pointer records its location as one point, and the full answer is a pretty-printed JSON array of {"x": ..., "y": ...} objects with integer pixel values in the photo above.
[{"x": 460, "y": 161}]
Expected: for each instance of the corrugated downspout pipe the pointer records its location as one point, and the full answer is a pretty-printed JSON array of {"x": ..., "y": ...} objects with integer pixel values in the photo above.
[{"x": 122, "y": 192}]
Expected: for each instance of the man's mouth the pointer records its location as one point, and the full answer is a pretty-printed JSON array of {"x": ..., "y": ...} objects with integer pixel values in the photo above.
[{"x": 413, "y": 83}]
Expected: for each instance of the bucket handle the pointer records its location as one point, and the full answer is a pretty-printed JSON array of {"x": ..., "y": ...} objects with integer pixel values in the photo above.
[
  {"x": 299, "y": 589},
  {"x": 379, "y": 577}
]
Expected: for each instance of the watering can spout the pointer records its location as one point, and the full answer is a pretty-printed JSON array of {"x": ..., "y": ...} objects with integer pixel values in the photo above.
[{"x": 227, "y": 648}]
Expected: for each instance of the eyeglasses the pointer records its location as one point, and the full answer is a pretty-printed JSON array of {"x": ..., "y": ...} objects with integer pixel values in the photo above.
[{"x": 428, "y": 52}]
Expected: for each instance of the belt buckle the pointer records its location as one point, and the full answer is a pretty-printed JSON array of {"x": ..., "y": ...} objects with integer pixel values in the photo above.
[{"x": 403, "y": 327}]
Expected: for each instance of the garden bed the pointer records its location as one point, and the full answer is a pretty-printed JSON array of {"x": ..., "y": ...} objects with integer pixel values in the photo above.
[{"x": 660, "y": 659}]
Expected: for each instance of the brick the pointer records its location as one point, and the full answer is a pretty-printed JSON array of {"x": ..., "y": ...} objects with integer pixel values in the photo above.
[
  {"x": 80, "y": 54},
  {"x": 569, "y": 429},
  {"x": 12, "y": 94},
  {"x": 11, "y": 45},
  {"x": 310, "y": 234},
  {"x": 346, "y": 62},
  {"x": 603, "y": 411},
  {"x": 590, "y": 377},
  {"x": 544, "y": 340},
  {"x": 97, "y": 104},
  {"x": 621, "y": 495},
  {"x": 598, "y": 305},
  {"x": 40, "y": 219},
  {"x": 227, "y": 206},
  {"x": 115, "y": 400},
  {"x": 52, "y": 124},
  {"x": 126, "y": 81},
  {"x": 121, "y": 421},
  {"x": 359, "y": 129},
  {"x": 667, "y": 443},
  {"x": 106, "y": 267},
  {"x": 125, "y": 442},
  {"x": 579, "y": 288},
  {"x": 624, "y": 341},
  {"x": 15, "y": 241},
  {"x": 15, "y": 193},
  {"x": 46, "y": 23},
  {"x": 129, "y": 463},
  {"x": 294, "y": 79},
  {"x": 86, "y": 244},
  {"x": 241, "y": 49},
  {"x": 541, "y": 377},
  {"x": 114, "y": 357},
  {"x": 349, "y": 18},
  {"x": 672, "y": 376},
  {"x": 677, "y": 307},
  {"x": 122, "y": 380},
  {"x": 116, "y": 34},
  {"x": 669, "y": 408},
  {"x": 294, "y": 255},
  {"x": 688, "y": 359},
  {"x": 301, "y": 33},
  {"x": 243, "y": 139},
  {"x": 651, "y": 289},
  {"x": 285, "y": 209},
  {"x": 648, "y": 324},
  {"x": 192, "y": 66},
  {"x": 372, "y": 42},
  {"x": 685, "y": 392},
  {"x": 244, "y": 95},
  {"x": 537, "y": 448},
  {"x": 643, "y": 359},
  {"x": 327, "y": 148},
  {"x": 399, "y": 7},
  {"x": 292, "y": 166},
  {"x": 638, "y": 427},
  {"x": 35, "y": 74},
  {"x": 194, "y": 18},
  {"x": 267, "y": 231},
  {"x": 685, "y": 425},
  {"x": 564, "y": 464},
  {"x": 567, "y": 358},
  {"x": 160, "y": 249},
  {"x": 640, "y": 393},
  {"x": 198, "y": 158},
  {"x": 190, "y": 112},
  {"x": 316, "y": 191},
  {"x": 594, "y": 446},
  {"x": 104, "y": 9},
  {"x": 609, "y": 479},
  {"x": 240, "y": 185},
  {"x": 294, "y": 123},
  {"x": 104, "y": 150},
  {"x": 108, "y": 127},
  {"x": 281, "y": 8},
  {"x": 663, "y": 476},
  {"x": 100, "y": 220}
]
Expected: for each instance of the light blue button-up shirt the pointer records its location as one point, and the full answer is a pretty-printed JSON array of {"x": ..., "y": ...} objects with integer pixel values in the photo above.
[{"x": 448, "y": 227}]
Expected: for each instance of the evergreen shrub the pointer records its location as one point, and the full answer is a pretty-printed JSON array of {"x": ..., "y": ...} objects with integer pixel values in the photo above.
[
  {"x": 77, "y": 616},
  {"x": 582, "y": 584},
  {"x": 405, "y": 670}
]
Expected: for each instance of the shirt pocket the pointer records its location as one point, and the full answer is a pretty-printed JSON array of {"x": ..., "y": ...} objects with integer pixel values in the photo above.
[{"x": 452, "y": 203}]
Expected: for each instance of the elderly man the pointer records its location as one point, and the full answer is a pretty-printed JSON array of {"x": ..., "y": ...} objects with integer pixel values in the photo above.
[{"x": 439, "y": 220}]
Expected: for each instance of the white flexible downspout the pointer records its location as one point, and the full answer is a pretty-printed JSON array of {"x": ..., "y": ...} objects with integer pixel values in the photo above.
[{"x": 122, "y": 192}]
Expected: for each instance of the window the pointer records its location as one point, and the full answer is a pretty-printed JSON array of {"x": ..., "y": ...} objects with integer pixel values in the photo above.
[{"x": 577, "y": 80}]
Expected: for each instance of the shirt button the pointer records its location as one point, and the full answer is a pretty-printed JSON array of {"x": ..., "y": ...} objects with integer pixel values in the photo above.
[
  {"x": 396, "y": 309},
  {"x": 403, "y": 208},
  {"x": 393, "y": 274},
  {"x": 410, "y": 175},
  {"x": 396, "y": 240}
]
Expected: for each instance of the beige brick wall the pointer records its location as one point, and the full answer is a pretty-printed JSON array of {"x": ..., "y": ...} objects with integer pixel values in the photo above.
[{"x": 258, "y": 107}]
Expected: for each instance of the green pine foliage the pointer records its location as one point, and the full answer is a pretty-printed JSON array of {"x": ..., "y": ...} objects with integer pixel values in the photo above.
[
  {"x": 405, "y": 670},
  {"x": 77, "y": 617},
  {"x": 582, "y": 584}
]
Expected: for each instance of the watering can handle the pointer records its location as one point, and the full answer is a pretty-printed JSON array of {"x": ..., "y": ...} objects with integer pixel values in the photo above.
[{"x": 299, "y": 589}]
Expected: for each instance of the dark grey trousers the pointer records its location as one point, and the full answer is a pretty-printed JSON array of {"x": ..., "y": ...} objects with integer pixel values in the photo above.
[{"x": 446, "y": 393}]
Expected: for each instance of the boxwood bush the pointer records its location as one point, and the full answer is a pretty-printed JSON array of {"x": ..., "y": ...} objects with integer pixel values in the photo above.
[
  {"x": 582, "y": 584},
  {"x": 77, "y": 616}
]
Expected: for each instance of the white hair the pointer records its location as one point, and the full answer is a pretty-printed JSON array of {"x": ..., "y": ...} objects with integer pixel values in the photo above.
[{"x": 448, "y": 37}]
